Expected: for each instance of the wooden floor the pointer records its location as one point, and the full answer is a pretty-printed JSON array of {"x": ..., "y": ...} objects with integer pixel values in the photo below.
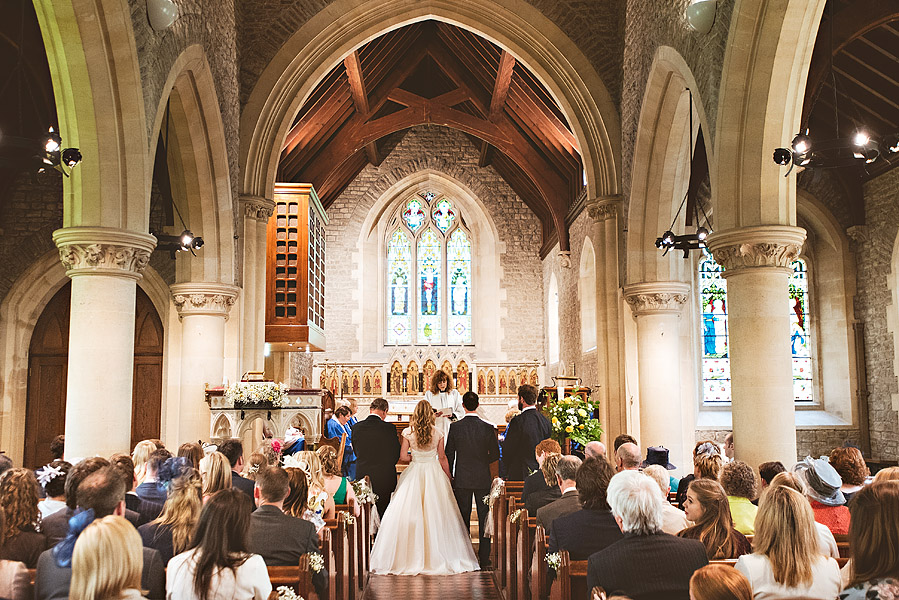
[{"x": 464, "y": 586}]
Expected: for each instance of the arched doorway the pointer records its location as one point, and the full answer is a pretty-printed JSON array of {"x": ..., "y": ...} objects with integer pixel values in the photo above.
[{"x": 48, "y": 356}]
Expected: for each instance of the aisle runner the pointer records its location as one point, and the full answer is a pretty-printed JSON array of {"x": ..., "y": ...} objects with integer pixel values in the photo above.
[{"x": 464, "y": 586}]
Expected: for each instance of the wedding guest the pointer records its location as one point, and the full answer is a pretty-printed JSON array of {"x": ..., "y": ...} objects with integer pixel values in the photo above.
[
  {"x": 523, "y": 434},
  {"x": 888, "y": 474},
  {"x": 218, "y": 565},
  {"x": 193, "y": 452},
  {"x": 850, "y": 464},
  {"x": 56, "y": 525},
  {"x": 170, "y": 533},
  {"x": 150, "y": 490},
  {"x": 215, "y": 471},
  {"x": 271, "y": 450},
  {"x": 320, "y": 505},
  {"x": 719, "y": 582},
  {"x": 673, "y": 519},
  {"x": 336, "y": 484},
  {"x": 708, "y": 508},
  {"x": 658, "y": 455},
  {"x": 254, "y": 463},
  {"x": 787, "y": 562},
  {"x": 138, "y": 510},
  {"x": 15, "y": 581},
  {"x": 233, "y": 451},
  {"x": 738, "y": 480},
  {"x": 19, "y": 497},
  {"x": 702, "y": 448},
  {"x": 767, "y": 472},
  {"x": 295, "y": 503},
  {"x": 822, "y": 486},
  {"x": 52, "y": 478},
  {"x": 535, "y": 481},
  {"x": 295, "y": 440},
  {"x": 140, "y": 455},
  {"x": 107, "y": 561},
  {"x": 826, "y": 542},
  {"x": 627, "y": 457},
  {"x": 5, "y": 463},
  {"x": 566, "y": 478},
  {"x": 874, "y": 543},
  {"x": 624, "y": 438},
  {"x": 550, "y": 492}
]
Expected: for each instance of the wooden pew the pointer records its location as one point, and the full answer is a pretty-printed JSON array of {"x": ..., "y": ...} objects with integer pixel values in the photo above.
[
  {"x": 327, "y": 552},
  {"x": 343, "y": 588},
  {"x": 364, "y": 540},
  {"x": 539, "y": 589},
  {"x": 842, "y": 540},
  {"x": 524, "y": 542},
  {"x": 510, "y": 552},
  {"x": 298, "y": 577},
  {"x": 515, "y": 488},
  {"x": 571, "y": 579},
  {"x": 498, "y": 548}
]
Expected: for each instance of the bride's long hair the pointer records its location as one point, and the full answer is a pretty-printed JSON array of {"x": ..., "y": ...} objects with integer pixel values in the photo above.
[{"x": 422, "y": 423}]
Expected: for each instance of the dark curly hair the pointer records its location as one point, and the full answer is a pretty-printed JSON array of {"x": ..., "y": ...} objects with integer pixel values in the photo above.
[
  {"x": 738, "y": 479},
  {"x": 850, "y": 464}
]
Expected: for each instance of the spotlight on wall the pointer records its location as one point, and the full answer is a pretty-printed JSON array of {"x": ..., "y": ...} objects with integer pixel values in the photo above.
[
  {"x": 161, "y": 14},
  {"x": 71, "y": 157},
  {"x": 52, "y": 141},
  {"x": 701, "y": 15}
]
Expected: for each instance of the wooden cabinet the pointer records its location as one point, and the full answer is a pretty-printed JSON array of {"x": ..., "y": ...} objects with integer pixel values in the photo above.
[{"x": 295, "y": 270}]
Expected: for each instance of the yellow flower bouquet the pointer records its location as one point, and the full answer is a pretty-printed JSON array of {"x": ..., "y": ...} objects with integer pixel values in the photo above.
[{"x": 573, "y": 418}]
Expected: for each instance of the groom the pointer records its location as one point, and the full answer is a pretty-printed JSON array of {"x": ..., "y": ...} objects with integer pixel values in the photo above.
[
  {"x": 377, "y": 450},
  {"x": 471, "y": 445}
]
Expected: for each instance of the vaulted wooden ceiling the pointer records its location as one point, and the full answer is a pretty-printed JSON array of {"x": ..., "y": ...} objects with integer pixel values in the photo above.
[{"x": 434, "y": 73}]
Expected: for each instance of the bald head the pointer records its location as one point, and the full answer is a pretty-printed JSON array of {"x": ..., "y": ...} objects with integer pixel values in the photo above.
[
  {"x": 595, "y": 450},
  {"x": 627, "y": 457}
]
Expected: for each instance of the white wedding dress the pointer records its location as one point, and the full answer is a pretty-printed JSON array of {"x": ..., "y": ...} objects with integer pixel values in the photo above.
[{"x": 422, "y": 532}]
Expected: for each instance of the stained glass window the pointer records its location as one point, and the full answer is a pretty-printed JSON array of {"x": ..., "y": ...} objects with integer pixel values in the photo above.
[
  {"x": 399, "y": 273},
  {"x": 429, "y": 274},
  {"x": 800, "y": 346},
  {"x": 458, "y": 257}
]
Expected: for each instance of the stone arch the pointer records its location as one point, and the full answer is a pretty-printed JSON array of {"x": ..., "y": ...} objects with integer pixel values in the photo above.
[
  {"x": 521, "y": 29},
  {"x": 661, "y": 167},
  {"x": 99, "y": 103},
  {"x": 769, "y": 48},
  {"x": 384, "y": 196},
  {"x": 198, "y": 165},
  {"x": 587, "y": 296},
  {"x": 222, "y": 427}
]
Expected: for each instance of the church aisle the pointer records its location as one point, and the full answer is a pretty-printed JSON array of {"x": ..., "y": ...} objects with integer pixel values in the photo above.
[{"x": 463, "y": 586}]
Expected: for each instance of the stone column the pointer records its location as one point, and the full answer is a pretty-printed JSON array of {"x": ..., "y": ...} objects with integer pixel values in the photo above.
[
  {"x": 104, "y": 265},
  {"x": 256, "y": 213},
  {"x": 757, "y": 268},
  {"x": 657, "y": 308},
  {"x": 605, "y": 212},
  {"x": 203, "y": 309}
]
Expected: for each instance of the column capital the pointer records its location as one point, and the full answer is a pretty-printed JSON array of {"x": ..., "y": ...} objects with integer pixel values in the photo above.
[
  {"x": 104, "y": 251},
  {"x": 602, "y": 208},
  {"x": 764, "y": 246},
  {"x": 565, "y": 259},
  {"x": 257, "y": 207},
  {"x": 656, "y": 297},
  {"x": 204, "y": 298},
  {"x": 859, "y": 234}
]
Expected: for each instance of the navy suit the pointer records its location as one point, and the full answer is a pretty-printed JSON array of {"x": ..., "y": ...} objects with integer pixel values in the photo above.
[
  {"x": 152, "y": 491},
  {"x": 242, "y": 483},
  {"x": 523, "y": 434},
  {"x": 584, "y": 532},
  {"x": 378, "y": 449},
  {"x": 471, "y": 446}
]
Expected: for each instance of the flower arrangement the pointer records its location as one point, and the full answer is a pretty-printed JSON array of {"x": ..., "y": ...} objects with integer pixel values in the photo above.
[
  {"x": 490, "y": 498},
  {"x": 572, "y": 417},
  {"x": 257, "y": 392},
  {"x": 316, "y": 562},
  {"x": 515, "y": 516},
  {"x": 554, "y": 560},
  {"x": 364, "y": 493},
  {"x": 348, "y": 517},
  {"x": 287, "y": 593}
]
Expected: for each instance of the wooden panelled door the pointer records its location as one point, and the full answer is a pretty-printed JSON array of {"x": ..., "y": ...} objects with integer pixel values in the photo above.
[{"x": 45, "y": 412}]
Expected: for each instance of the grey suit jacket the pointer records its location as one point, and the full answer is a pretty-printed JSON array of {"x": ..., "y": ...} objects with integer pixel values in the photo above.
[
  {"x": 281, "y": 539},
  {"x": 565, "y": 505},
  {"x": 51, "y": 582}
]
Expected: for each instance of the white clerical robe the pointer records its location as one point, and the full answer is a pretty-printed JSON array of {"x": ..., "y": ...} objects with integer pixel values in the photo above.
[{"x": 443, "y": 400}]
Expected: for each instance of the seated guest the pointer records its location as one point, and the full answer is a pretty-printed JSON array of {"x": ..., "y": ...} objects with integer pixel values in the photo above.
[
  {"x": 673, "y": 519},
  {"x": 138, "y": 510},
  {"x": 107, "y": 561},
  {"x": 787, "y": 562},
  {"x": 708, "y": 467},
  {"x": 707, "y": 507},
  {"x": 719, "y": 582},
  {"x": 100, "y": 494},
  {"x": 192, "y": 451},
  {"x": 170, "y": 532},
  {"x": 646, "y": 564},
  {"x": 233, "y": 451},
  {"x": 535, "y": 481},
  {"x": 658, "y": 455},
  {"x": 279, "y": 538},
  {"x": 592, "y": 528},
  {"x": 271, "y": 451},
  {"x": 874, "y": 544},
  {"x": 888, "y": 474},
  {"x": 56, "y": 525},
  {"x": 320, "y": 504},
  {"x": 624, "y": 438},
  {"x": 595, "y": 449},
  {"x": 295, "y": 441},
  {"x": 826, "y": 542},
  {"x": 5, "y": 463},
  {"x": 295, "y": 503},
  {"x": 254, "y": 463},
  {"x": 15, "y": 582},
  {"x": 58, "y": 447},
  {"x": 52, "y": 479},
  {"x": 150, "y": 490},
  {"x": 140, "y": 455},
  {"x": 215, "y": 470},
  {"x": 767, "y": 471},
  {"x": 537, "y": 499},
  {"x": 335, "y": 484},
  {"x": 738, "y": 480},
  {"x": 219, "y": 565},
  {"x": 627, "y": 457},
  {"x": 850, "y": 464},
  {"x": 822, "y": 486},
  {"x": 566, "y": 472},
  {"x": 22, "y": 541}
]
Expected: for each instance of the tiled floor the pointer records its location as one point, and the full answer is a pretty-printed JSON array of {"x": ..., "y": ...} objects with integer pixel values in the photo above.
[{"x": 464, "y": 586}]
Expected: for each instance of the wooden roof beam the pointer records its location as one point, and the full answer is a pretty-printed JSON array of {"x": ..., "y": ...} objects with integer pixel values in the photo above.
[
  {"x": 498, "y": 99},
  {"x": 360, "y": 99}
]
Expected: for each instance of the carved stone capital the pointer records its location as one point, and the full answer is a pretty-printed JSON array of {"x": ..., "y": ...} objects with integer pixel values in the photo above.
[
  {"x": 565, "y": 259},
  {"x": 604, "y": 207},
  {"x": 656, "y": 297},
  {"x": 103, "y": 251},
  {"x": 257, "y": 207},
  {"x": 766, "y": 246},
  {"x": 860, "y": 234},
  {"x": 202, "y": 298}
]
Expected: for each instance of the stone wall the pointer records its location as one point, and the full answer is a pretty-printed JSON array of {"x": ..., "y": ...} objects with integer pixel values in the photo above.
[
  {"x": 450, "y": 152},
  {"x": 809, "y": 442}
]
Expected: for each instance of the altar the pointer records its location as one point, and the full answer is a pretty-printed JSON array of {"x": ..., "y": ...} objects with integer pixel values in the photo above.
[{"x": 302, "y": 408}]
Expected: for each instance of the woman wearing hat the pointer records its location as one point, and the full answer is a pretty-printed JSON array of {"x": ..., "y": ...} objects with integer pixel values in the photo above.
[{"x": 823, "y": 490}]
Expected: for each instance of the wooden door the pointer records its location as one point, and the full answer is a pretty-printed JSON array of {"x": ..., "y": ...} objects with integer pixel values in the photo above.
[{"x": 146, "y": 407}]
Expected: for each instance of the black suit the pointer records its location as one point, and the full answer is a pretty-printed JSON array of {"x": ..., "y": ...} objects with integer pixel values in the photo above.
[
  {"x": 146, "y": 509},
  {"x": 583, "y": 533},
  {"x": 281, "y": 539},
  {"x": 242, "y": 483},
  {"x": 377, "y": 450},
  {"x": 522, "y": 436},
  {"x": 647, "y": 567},
  {"x": 471, "y": 445},
  {"x": 533, "y": 483},
  {"x": 51, "y": 582}
]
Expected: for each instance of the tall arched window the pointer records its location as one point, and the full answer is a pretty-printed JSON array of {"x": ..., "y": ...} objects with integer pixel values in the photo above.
[
  {"x": 715, "y": 349},
  {"x": 429, "y": 273},
  {"x": 587, "y": 293}
]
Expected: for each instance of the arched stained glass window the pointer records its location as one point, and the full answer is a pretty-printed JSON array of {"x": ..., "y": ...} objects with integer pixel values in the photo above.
[
  {"x": 715, "y": 349},
  {"x": 429, "y": 274}
]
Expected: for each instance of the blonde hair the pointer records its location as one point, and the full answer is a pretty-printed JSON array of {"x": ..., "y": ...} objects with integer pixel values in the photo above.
[
  {"x": 314, "y": 472},
  {"x": 182, "y": 509},
  {"x": 107, "y": 560},
  {"x": 888, "y": 474},
  {"x": 785, "y": 533},
  {"x": 790, "y": 480},
  {"x": 141, "y": 455},
  {"x": 422, "y": 421},
  {"x": 719, "y": 582},
  {"x": 257, "y": 461},
  {"x": 707, "y": 466},
  {"x": 548, "y": 468},
  {"x": 328, "y": 456},
  {"x": 216, "y": 473}
]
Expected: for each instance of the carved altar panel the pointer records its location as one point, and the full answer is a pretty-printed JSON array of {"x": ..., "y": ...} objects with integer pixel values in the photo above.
[
  {"x": 376, "y": 384},
  {"x": 429, "y": 369},
  {"x": 503, "y": 384},
  {"x": 462, "y": 376},
  {"x": 412, "y": 378}
]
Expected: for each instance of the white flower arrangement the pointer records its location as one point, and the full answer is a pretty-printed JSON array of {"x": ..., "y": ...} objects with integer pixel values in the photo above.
[
  {"x": 364, "y": 493},
  {"x": 316, "y": 562},
  {"x": 515, "y": 516},
  {"x": 257, "y": 392},
  {"x": 348, "y": 517},
  {"x": 286, "y": 593},
  {"x": 554, "y": 560},
  {"x": 490, "y": 498}
]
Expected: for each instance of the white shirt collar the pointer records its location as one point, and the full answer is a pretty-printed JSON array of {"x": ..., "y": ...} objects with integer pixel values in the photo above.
[
  {"x": 572, "y": 488},
  {"x": 534, "y": 407},
  {"x": 471, "y": 415}
]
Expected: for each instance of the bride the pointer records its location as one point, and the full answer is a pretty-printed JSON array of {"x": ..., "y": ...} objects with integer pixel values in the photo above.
[{"x": 422, "y": 531}]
